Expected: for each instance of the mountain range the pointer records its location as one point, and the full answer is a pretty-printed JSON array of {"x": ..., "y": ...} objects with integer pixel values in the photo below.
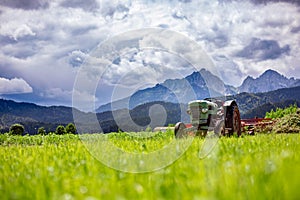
[{"x": 200, "y": 85}]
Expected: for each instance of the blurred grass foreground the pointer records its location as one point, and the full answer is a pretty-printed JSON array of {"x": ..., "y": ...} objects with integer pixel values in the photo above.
[{"x": 60, "y": 167}]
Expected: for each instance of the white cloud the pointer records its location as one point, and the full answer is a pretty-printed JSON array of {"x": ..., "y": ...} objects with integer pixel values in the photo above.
[
  {"x": 54, "y": 93},
  {"x": 14, "y": 86},
  {"x": 18, "y": 32},
  {"x": 84, "y": 100},
  {"x": 229, "y": 70}
]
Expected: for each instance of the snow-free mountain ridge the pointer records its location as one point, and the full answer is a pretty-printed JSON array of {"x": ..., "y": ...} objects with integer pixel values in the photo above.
[
  {"x": 270, "y": 80},
  {"x": 200, "y": 85}
]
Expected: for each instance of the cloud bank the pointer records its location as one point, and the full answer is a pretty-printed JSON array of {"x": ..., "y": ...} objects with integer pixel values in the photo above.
[
  {"x": 46, "y": 42},
  {"x": 15, "y": 85}
]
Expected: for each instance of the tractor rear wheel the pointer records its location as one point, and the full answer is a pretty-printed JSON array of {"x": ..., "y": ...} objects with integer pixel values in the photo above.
[{"x": 233, "y": 120}]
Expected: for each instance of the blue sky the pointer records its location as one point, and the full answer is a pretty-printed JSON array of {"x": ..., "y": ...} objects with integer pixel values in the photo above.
[{"x": 43, "y": 43}]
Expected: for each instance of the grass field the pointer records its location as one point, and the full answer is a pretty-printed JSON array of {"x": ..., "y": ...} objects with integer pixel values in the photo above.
[{"x": 60, "y": 167}]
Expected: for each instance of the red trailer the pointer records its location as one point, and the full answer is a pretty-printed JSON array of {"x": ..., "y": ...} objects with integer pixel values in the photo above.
[{"x": 248, "y": 125}]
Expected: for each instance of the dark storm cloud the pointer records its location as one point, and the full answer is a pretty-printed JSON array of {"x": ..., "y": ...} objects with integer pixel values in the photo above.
[
  {"x": 295, "y": 29},
  {"x": 219, "y": 37},
  {"x": 185, "y": 1},
  {"x": 4, "y": 40},
  {"x": 263, "y": 1},
  {"x": 22, "y": 52},
  {"x": 263, "y": 50},
  {"x": 83, "y": 30},
  {"x": 87, "y": 5},
  {"x": 25, "y": 4},
  {"x": 267, "y": 1}
]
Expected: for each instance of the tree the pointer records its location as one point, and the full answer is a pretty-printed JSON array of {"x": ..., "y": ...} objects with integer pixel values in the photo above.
[
  {"x": 16, "y": 129},
  {"x": 281, "y": 112},
  {"x": 60, "y": 130},
  {"x": 71, "y": 128},
  {"x": 41, "y": 131}
]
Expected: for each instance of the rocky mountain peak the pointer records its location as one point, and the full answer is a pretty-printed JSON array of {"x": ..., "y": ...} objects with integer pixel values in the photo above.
[
  {"x": 271, "y": 74},
  {"x": 249, "y": 78},
  {"x": 270, "y": 80}
]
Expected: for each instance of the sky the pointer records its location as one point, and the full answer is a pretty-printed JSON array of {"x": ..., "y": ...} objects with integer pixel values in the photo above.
[{"x": 45, "y": 44}]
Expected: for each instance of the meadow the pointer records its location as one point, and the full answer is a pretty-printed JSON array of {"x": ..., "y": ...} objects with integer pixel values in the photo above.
[{"x": 264, "y": 166}]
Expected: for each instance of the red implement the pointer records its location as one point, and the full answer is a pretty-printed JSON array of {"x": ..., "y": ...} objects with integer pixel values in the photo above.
[{"x": 250, "y": 124}]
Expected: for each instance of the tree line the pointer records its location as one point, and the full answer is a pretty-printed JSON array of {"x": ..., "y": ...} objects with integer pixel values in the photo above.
[{"x": 18, "y": 129}]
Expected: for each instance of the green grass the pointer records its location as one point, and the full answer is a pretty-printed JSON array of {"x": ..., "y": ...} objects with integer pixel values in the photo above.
[{"x": 60, "y": 167}]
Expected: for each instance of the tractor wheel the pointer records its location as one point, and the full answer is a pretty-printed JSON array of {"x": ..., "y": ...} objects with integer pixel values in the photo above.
[
  {"x": 233, "y": 120},
  {"x": 180, "y": 130},
  {"x": 219, "y": 129}
]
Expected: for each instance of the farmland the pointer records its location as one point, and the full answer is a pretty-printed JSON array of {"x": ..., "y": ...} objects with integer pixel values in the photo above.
[{"x": 264, "y": 166}]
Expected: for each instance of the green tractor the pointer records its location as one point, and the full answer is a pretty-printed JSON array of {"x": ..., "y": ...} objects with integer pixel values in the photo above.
[{"x": 223, "y": 118}]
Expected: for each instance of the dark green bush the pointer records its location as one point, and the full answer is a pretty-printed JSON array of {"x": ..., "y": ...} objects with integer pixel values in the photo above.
[
  {"x": 41, "y": 131},
  {"x": 71, "y": 128},
  {"x": 60, "y": 130},
  {"x": 16, "y": 129}
]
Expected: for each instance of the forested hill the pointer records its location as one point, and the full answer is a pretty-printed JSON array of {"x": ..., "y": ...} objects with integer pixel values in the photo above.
[
  {"x": 51, "y": 114},
  {"x": 32, "y": 116},
  {"x": 256, "y": 105}
]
